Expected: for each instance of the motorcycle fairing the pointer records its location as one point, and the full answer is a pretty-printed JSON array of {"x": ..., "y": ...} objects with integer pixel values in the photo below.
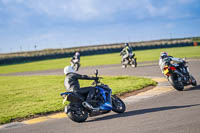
[{"x": 107, "y": 105}]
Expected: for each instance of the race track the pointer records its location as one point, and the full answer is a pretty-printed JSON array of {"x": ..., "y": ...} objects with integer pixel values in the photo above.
[{"x": 171, "y": 112}]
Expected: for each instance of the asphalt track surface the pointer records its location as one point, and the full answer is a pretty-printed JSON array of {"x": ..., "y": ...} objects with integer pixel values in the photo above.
[{"x": 171, "y": 112}]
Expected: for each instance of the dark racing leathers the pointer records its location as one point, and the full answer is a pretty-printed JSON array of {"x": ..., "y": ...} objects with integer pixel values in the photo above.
[
  {"x": 72, "y": 84},
  {"x": 75, "y": 58},
  {"x": 166, "y": 61},
  {"x": 126, "y": 53}
]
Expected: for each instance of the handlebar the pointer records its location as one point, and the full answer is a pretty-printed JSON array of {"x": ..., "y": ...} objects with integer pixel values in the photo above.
[{"x": 97, "y": 81}]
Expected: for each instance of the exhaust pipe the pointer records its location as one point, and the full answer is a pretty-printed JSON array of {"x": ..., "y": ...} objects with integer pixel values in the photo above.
[
  {"x": 177, "y": 72},
  {"x": 184, "y": 78},
  {"x": 89, "y": 106}
]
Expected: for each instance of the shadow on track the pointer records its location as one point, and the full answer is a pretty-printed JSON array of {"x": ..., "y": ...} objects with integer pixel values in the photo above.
[
  {"x": 141, "y": 111},
  {"x": 193, "y": 88}
]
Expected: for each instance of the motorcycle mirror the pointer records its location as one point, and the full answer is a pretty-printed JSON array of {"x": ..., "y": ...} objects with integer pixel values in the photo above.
[{"x": 96, "y": 72}]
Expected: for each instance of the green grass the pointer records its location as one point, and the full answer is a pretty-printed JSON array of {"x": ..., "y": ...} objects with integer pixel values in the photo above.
[
  {"x": 197, "y": 39},
  {"x": 25, "y": 96},
  {"x": 105, "y": 59}
]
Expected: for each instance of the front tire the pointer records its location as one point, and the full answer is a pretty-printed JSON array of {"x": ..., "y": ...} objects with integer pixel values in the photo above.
[
  {"x": 173, "y": 79},
  {"x": 193, "y": 81},
  {"x": 123, "y": 66},
  {"x": 118, "y": 104},
  {"x": 135, "y": 62},
  {"x": 76, "y": 66},
  {"x": 77, "y": 115}
]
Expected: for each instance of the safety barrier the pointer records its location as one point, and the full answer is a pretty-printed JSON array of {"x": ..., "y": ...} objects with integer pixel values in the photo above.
[{"x": 95, "y": 51}]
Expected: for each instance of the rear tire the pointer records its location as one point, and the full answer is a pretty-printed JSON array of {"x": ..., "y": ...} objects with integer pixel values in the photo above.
[
  {"x": 118, "y": 105},
  {"x": 134, "y": 63},
  {"x": 78, "y": 115},
  {"x": 173, "y": 79}
]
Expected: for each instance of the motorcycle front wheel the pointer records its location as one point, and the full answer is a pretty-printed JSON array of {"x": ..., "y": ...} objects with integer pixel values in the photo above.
[
  {"x": 77, "y": 114},
  {"x": 193, "y": 81},
  {"x": 76, "y": 66},
  {"x": 118, "y": 105},
  {"x": 135, "y": 62},
  {"x": 124, "y": 66}
]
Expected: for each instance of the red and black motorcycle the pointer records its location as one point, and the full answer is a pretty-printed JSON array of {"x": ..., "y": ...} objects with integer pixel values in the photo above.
[{"x": 178, "y": 75}]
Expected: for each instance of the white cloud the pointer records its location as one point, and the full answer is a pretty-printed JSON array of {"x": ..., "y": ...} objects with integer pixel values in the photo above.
[
  {"x": 99, "y": 9},
  {"x": 170, "y": 25},
  {"x": 156, "y": 11},
  {"x": 11, "y": 1},
  {"x": 89, "y": 9},
  {"x": 80, "y": 9},
  {"x": 5, "y": 1},
  {"x": 185, "y": 1},
  {"x": 76, "y": 9}
]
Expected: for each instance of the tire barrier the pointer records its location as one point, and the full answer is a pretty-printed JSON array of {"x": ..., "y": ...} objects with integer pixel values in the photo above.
[
  {"x": 195, "y": 43},
  {"x": 95, "y": 51}
]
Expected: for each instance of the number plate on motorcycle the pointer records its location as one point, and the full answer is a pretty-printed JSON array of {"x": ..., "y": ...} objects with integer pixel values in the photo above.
[{"x": 166, "y": 71}]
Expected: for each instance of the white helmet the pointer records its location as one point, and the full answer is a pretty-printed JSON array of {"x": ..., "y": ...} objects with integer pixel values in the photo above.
[
  {"x": 77, "y": 53},
  {"x": 68, "y": 69},
  {"x": 163, "y": 54}
]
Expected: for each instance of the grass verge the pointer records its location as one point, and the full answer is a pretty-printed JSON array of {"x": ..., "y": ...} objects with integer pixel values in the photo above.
[
  {"x": 26, "y": 96},
  {"x": 105, "y": 59}
]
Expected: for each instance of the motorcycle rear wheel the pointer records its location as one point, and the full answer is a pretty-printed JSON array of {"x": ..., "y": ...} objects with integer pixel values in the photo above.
[
  {"x": 77, "y": 115},
  {"x": 173, "y": 79},
  {"x": 118, "y": 104}
]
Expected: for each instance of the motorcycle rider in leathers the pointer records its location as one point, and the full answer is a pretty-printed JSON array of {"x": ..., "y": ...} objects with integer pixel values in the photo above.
[
  {"x": 126, "y": 52},
  {"x": 165, "y": 60},
  {"x": 75, "y": 57},
  {"x": 71, "y": 83}
]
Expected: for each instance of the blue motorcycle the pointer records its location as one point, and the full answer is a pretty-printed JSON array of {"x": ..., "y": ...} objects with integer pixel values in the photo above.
[{"x": 103, "y": 102}]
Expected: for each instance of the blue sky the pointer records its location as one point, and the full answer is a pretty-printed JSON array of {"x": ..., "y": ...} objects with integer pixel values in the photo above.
[{"x": 71, "y": 23}]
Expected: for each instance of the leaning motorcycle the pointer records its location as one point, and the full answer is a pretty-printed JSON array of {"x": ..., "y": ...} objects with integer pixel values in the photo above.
[
  {"x": 178, "y": 75},
  {"x": 130, "y": 60},
  {"x": 103, "y": 102},
  {"x": 75, "y": 64}
]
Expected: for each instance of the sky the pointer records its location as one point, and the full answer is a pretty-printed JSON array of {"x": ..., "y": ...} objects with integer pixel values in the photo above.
[{"x": 27, "y": 25}]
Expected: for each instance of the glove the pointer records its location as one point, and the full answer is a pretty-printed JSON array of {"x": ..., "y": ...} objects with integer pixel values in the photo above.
[{"x": 96, "y": 78}]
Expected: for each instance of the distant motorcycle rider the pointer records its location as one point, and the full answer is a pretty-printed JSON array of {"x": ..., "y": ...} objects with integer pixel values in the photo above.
[
  {"x": 71, "y": 83},
  {"x": 75, "y": 58},
  {"x": 165, "y": 59},
  {"x": 176, "y": 71},
  {"x": 127, "y": 52},
  {"x": 75, "y": 61}
]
